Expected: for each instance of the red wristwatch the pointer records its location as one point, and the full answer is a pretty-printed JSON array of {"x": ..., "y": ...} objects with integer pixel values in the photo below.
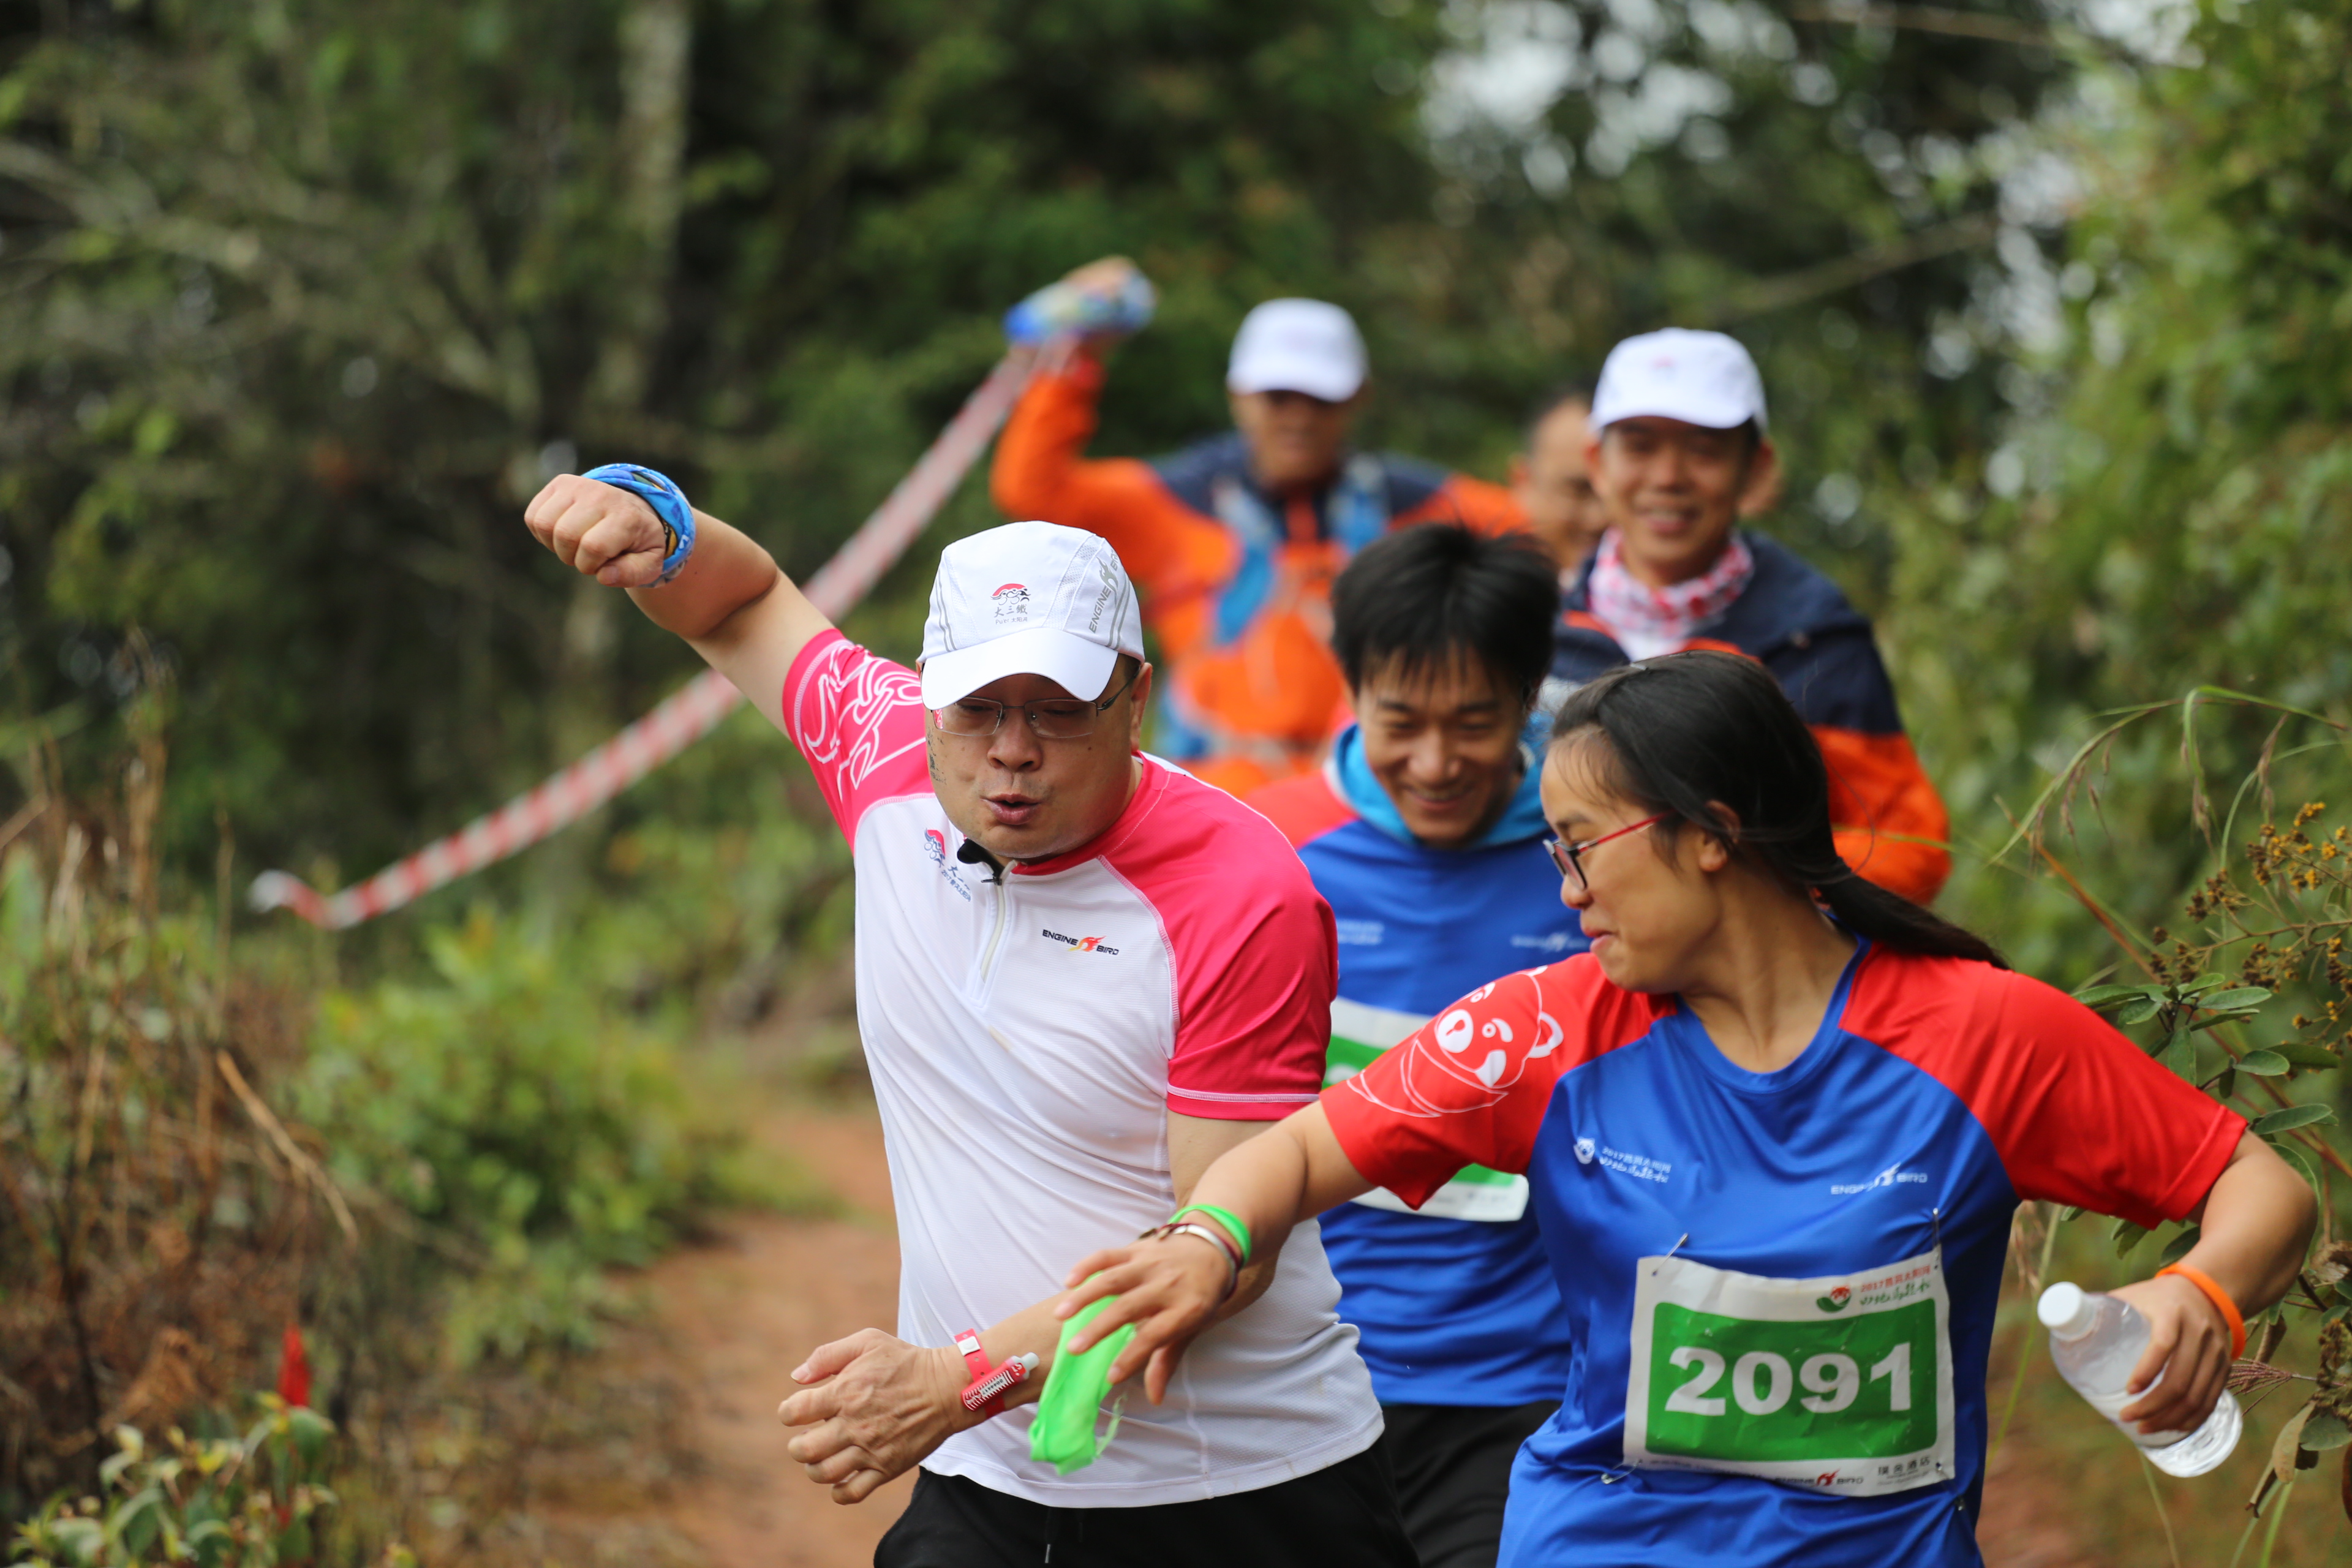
[{"x": 984, "y": 1395}]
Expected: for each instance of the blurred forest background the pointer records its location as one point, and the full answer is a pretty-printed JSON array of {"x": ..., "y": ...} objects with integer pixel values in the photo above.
[{"x": 301, "y": 299}]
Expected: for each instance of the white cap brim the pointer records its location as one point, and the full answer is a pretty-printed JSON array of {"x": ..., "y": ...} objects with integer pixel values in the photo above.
[
  {"x": 1316, "y": 378},
  {"x": 1711, "y": 414},
  {"x": 1078, "y": 665}
]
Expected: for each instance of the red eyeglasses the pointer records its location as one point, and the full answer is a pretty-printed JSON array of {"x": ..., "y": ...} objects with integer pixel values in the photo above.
[{"x": 1570, "y": 857}]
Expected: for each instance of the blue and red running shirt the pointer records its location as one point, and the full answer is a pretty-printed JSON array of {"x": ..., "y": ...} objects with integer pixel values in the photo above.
[
  {"x": 1787, "y": 1275},
  {"x": 1455, "y": 1304}
]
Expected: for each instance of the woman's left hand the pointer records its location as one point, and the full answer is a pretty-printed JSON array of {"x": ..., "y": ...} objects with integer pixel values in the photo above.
[
  {"x": 1170, "y": 1289},
  {"x": 2188, "y": 1344}
]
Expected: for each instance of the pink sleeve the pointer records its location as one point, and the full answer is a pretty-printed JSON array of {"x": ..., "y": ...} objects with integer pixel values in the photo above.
[
  {"x": 1253, "y": 1013},
  {"x": 859, "y": 720},
  {"x": 1471, "y": 1087},
  {"x": 1254, "y": 951}
]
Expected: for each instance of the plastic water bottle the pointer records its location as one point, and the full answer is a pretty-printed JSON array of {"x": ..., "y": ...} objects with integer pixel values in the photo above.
[
  {"x": 2096, "y": 1340},
  {"x": 1062, "y": 308}
]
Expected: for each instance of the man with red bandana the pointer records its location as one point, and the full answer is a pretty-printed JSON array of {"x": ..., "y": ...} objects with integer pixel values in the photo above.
[
  {"x": 1678, "y": 454},
  {"x": 1234, "y": 540}
]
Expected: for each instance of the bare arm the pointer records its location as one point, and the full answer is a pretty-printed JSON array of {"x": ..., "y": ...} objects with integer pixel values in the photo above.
[
  {"x": 1170, "y": 1290},
  {"x": 2253, "y": 1229},
  {"x": 1197, "y": 1143},
  {"x": 874, "y": 1406},
  {"x": 731, "y": 601}
]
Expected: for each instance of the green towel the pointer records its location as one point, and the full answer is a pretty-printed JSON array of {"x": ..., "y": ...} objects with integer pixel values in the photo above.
[{"x": 1062, "y": 1434}]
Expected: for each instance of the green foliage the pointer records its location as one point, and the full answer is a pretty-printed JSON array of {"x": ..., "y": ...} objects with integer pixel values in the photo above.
[
  {"x": 2259, "y": 956},
  {"x": 522, "y": 1122},
  {"x": 195, "y": 1153},
  {"x": 305, "y": 307},
  {"x": 159, "y": 1223},
  {"x": 223, "y": 1502},
  {"x": 2169, "y": 505}
]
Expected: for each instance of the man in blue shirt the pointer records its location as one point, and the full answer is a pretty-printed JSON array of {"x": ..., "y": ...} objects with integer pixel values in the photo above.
[{"x": 1425, "y": 831}]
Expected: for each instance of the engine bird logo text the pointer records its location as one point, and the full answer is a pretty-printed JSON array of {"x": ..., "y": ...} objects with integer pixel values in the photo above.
[{"x": 1079, "y": 943}]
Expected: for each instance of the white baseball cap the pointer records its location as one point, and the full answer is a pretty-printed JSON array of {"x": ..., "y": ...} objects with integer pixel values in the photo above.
[
  {"x": 1700, "y": 378},
  {"x": 1297, "y": 345},
  {"x": 1028, "y": 598}
]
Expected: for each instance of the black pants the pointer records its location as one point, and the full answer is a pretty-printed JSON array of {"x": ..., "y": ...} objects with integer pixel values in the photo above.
[
  {"x": 1343, "y": 1515},
  {"x": 1453, "y": 1468}
]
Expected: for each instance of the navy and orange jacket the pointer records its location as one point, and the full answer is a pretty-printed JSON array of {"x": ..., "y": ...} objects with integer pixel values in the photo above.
[
  {"x": 1796, "y": 623},
  {"x": 1235, "y": 581}
]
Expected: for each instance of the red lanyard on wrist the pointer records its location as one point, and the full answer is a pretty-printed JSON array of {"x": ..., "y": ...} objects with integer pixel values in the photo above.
[{"x": 984, "y": 1395}]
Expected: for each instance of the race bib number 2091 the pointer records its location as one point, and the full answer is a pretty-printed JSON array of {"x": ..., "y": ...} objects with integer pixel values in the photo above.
[{"x": 1842, "y": 1383}]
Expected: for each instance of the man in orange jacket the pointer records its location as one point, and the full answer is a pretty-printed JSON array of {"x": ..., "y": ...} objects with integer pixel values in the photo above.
[
  {"x": 1234, "y": 540},
  {"x": 1679, "y": 453}
]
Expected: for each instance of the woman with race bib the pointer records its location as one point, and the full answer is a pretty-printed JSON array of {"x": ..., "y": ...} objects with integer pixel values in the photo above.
[{"x": 1775, "y": 1124}]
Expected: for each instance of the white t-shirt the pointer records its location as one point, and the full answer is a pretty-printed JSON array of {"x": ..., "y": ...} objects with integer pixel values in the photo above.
[{"x": 1028, "y": 1038}]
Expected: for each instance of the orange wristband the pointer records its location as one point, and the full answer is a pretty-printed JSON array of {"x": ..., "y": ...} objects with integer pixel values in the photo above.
[{"x": 2219, "y": 1297}]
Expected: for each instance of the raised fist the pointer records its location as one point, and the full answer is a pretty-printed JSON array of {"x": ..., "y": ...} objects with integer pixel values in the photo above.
[{"x": 599, "y": 530}]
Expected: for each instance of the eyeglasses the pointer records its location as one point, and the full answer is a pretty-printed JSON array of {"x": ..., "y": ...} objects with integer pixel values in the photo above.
[
  {"x": 1050, "y": 719},
  {"x": 1570, "y": 857}
]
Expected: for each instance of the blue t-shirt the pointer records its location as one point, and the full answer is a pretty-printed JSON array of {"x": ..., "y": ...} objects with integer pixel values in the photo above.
[
  {"x": 1454, "y": 1305},
  {"x": 1780, "y": 1287}
]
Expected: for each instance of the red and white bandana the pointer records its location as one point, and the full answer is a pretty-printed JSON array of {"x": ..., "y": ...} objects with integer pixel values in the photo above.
[{"x": 1648, "y": 621}]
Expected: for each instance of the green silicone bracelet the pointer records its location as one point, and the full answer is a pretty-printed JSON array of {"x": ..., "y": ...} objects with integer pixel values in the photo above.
[
  {"x": 1062, "y": 1433},
  {"x": 1226, "y": 1218}
]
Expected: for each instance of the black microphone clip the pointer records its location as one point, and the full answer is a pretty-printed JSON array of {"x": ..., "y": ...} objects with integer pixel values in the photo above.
[{"x": 971, "y": 854}]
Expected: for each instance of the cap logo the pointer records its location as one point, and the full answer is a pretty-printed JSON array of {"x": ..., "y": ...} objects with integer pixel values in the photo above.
[
  {"x": 1103, "y": 599},
  {"x": 1664, "y": 362},
  {"x": 1011, "y": 602}
]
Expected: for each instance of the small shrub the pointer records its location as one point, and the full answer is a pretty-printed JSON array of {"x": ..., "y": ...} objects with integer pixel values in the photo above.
[
  {"x": 226, "y": 1502},
  {"x": 519, "y": 1121}
]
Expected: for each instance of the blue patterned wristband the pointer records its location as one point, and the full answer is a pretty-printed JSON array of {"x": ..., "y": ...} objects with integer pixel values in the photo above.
[{"x": 659, "y": 492}]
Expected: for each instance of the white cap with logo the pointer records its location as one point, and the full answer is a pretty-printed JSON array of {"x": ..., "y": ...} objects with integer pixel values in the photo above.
[
  {"x": 1028, "y": 598},
  {"x": 1297, "y": 345},
  {"x": 1700, "y": 378}
]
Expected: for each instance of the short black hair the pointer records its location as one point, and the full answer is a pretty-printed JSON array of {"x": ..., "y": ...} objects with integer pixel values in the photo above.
[
  {"x": 1423, "y": 597},
  {"x": 1578, "y": 393}
]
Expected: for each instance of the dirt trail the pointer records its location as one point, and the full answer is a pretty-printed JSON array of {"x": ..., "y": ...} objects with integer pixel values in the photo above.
[
  {"x": 732, "y": 1315},
  {"x": 738, "y": 1313}
]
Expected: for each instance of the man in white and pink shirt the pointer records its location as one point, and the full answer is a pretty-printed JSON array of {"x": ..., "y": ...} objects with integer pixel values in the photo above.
[{"x": 1081, "y": 976}]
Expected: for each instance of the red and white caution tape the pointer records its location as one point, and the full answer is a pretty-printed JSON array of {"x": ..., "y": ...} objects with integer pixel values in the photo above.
[{"x": 688, "y": 715}]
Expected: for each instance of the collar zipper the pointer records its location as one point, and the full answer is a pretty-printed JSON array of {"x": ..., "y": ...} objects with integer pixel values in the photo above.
[{"x": 996, "y": 934}]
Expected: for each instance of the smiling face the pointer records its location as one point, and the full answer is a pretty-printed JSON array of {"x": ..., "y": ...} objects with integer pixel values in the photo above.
[
  {"x": 1444, "y": 744},
  {"x": 1026, "y": 798},
  {"x": 1652, "y": 900},
  {"x": 1672, "y": 491},
  {"x": 1294, "y": 440}
]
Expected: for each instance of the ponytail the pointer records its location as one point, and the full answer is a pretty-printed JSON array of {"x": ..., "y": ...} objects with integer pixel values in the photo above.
[
  {"x": 1687, "y": 730},
  {"x": 1893, "y": 921}
]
